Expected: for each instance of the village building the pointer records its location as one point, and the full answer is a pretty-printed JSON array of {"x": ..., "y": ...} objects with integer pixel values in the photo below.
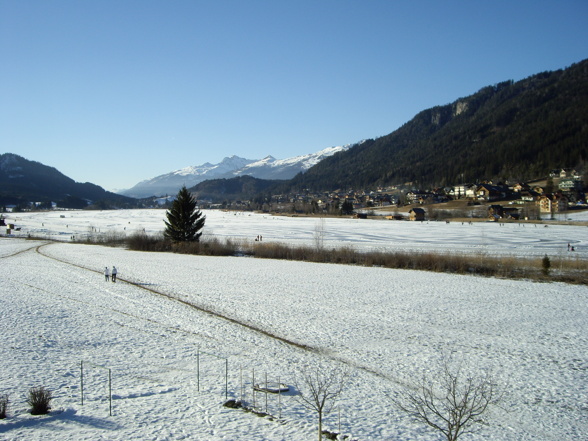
[
  {"x": 498, "y": 212},
  {"x": 416, "y": 214},
  {"x": 552, "y": 203},
  {"x": 463, "y": 191},
  {"x": 489, "y": 192},
  {"x": 570, "y": 185}
]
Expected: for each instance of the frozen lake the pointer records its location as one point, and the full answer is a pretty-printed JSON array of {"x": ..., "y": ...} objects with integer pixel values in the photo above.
[{"x": 522, "y": 239}]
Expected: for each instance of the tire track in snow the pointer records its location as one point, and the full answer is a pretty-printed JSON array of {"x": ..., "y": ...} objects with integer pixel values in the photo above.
[{"x": 233, "y": 320}]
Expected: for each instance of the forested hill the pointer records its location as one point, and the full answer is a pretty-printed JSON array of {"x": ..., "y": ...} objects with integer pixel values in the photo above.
[
  {"x": 23, "y": 181},
  {"x": 512, "y": 130},
  {"x": 240, "y": 187}
]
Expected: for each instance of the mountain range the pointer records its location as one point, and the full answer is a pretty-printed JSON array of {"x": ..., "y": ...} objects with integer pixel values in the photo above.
[
  {"x": 510, "y": 131},
  {"x": 268, "y": 168}
]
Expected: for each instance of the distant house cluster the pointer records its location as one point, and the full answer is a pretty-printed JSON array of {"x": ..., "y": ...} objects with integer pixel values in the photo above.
[{"x": 563, "y": 190}]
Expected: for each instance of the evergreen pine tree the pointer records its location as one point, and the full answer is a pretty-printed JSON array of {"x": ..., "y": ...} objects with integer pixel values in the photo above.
[
  {"x": 347, "y": 207},
  {"x": 184, "y": 220}
]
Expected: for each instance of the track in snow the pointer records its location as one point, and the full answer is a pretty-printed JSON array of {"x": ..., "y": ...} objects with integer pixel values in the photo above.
[{"x": 220, "y": 316}]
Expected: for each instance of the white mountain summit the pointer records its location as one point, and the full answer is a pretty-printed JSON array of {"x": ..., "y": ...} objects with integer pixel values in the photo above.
[{"x": 230, "y": 167}]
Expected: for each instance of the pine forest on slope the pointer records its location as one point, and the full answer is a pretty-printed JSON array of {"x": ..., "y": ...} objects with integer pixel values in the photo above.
[{"x": 512, "y": 131}]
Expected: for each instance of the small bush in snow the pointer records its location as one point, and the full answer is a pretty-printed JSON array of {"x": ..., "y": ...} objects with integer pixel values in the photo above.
[
  {"x": 3, "y": 406},
  {"x": 545, "y": 265},
  {"x": 40, "y": 400}
]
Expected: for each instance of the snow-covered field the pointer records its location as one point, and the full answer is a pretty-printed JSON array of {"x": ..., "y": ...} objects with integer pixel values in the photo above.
[
  {"x": 172, "y": 325},
  {"x": 477, "y": 237}
]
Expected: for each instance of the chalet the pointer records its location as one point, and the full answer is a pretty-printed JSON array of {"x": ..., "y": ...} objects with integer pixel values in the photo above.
[
  {"x": 488, "y": 192},
  {"x": 498, "y": 212},
  {"x": 395, "y": 217},
  {"x": 566, "y": 172},
  {"x": 416, "y": 214},
  {"x": 560, "y": 173},
  {"x": 416, "y": 197},
  {"x": 520, "y": 187}
]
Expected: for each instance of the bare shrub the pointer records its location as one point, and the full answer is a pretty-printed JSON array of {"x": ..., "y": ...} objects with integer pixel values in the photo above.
[
  {"x": 575, "y": 264},
  {"x": 450, "y": 403},
  {"x": 346, "y": 255},
  {"x": 140, "y": 241},
  {"x": 40, "y": 400},
  {"x": 216, "y": 247},
  {"x": 272, "y": 251},
  {"x": 319, "y": 234},
  {"x": 109, "y": 238},
  {"x": 545, "y": 265},
  {"x": 186, "y": 247},
  {"x": 3, "y": 406},
  {"x": 114, "y": 238}
]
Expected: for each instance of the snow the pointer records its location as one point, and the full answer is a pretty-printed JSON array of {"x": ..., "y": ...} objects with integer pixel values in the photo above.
[
  {"x": 170, "y": 314},
  {"x": 478, "y": 238},
  {"x": 303, "y": 161},
  {"x": 266, "y": 168}
]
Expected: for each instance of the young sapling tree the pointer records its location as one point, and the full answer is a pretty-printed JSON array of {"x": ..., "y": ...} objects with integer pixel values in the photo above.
[{"x": 319, "y": 388}]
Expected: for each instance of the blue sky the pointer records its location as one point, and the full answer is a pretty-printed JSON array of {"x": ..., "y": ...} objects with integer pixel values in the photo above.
[{"x": 115, "y": 92}]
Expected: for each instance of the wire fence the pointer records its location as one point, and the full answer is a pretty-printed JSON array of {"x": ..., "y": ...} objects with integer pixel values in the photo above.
[{"x": 108, "y": 389}]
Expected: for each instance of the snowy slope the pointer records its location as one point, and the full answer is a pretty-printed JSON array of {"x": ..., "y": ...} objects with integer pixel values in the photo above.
[
  {"x": 170, "y": 183},
  {"x": 386, "y": 326},
  {"x": 271, "y": 168}
]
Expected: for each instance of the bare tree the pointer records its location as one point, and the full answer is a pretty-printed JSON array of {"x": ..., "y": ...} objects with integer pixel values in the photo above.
[
  {"x": 319, "y": 388},
  {"x": 319, "y": 234},
  {"x": 454, "y": 405}
]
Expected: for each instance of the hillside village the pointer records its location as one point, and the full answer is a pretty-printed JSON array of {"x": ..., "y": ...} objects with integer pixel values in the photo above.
[
  {"x": 549, "y": 198},
  {"x": 563, "y": 190}
]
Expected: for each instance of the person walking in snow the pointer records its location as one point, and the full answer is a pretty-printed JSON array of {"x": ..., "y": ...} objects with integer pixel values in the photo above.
[
  {"x": 114, "y": 272},
  {"x": 106, "y": 273}
]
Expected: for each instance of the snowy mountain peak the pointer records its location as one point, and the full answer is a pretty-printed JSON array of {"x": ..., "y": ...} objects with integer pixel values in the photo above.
[{"x": 232, "y": 166}]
